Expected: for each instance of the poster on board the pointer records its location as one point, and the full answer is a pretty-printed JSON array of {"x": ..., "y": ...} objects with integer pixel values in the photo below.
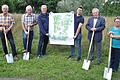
[{"x": 61, "y": 28}]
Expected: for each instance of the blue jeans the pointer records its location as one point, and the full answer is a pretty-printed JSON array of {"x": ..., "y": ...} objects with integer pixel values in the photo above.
[
  {"x": 11, "y": 40},
  {"x": 77, "y": 43},
  {"x": 31, "y": 35},
  {"x": 42, "y": 45}
]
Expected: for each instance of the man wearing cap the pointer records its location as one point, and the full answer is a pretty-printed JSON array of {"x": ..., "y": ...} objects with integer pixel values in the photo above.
[
  {"x": 7, "y": 21},
  {"x": 96, "y": 24}
]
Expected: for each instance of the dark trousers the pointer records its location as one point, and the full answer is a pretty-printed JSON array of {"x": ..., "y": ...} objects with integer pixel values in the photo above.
[
  {"x": 98, "y": 46},
  {"x": 31, "y": 34},
  {"x": 42, "y": 45},
  {"x": 115, "y": 59},
  {"x": 11, "y": 40}
]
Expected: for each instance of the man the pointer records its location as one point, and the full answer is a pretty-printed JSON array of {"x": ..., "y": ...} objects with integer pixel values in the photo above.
[
  {"x": 78, "y": 22},
  {"x": 43, "y": 22},
  {"x": 96, "y": 24},
  {"x": 28, "y": 20},
  {"x": 7, "y": 21}
]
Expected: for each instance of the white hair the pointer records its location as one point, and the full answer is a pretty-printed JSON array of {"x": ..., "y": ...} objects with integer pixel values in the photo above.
[
  {"x": 95, "y": 10},
  {"x": 5, "y": 6},
  {"x": 28, "y": 7}
]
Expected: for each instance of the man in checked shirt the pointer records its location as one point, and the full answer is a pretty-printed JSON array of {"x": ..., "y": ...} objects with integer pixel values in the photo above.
[
  {"x": 7, "y": 21},
  {"x": 28, "y": 20}
]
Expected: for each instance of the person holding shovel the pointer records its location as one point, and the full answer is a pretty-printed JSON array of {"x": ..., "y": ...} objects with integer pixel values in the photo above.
[
  {"x": 96, "y": 24},
  {"x": 6, "y": 25},
  {"x": 114, "y": 33},
  {"x": 43, "y": 22},
  {"x": 78, "y": 22},
  {"x": 29, "y": 20}
]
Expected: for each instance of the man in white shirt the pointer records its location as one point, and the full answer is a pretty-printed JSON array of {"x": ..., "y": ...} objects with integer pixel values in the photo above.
[{"x": 96, "y": 24}]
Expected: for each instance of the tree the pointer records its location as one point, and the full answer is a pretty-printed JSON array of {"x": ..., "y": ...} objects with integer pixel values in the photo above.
[
  {"x": 67, "y": 5},
  {"x": 112, "y": 8}
]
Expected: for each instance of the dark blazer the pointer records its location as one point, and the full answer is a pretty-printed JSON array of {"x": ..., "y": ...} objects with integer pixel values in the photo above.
[{"x": 100, "y": 25}]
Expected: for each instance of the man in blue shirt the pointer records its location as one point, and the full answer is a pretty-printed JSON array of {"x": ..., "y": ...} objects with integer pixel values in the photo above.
[
  {"x": 43, "y": 22},
  {"x": 78, "y": 22}
]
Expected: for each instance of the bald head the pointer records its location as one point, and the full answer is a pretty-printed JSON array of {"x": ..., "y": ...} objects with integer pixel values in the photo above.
[{"x": 44, "y": 9}]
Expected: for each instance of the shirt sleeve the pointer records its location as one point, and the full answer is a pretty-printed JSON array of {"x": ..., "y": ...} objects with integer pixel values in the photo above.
[
  {"x": 23, "y": 18},
  {"x": 82, "y": 20},
  {"x": 12, "y": 20}
]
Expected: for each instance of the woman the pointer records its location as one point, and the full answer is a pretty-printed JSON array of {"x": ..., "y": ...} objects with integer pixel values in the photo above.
[{"x": 114, "y": 33}]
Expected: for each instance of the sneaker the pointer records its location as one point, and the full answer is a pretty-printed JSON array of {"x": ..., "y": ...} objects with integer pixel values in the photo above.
[
  {"x": 99, "y": 62},
  {"x": 78, "y": 59},
  {"x": 39, "y": 56},
  {"x": 69, "y": 56},
  {"x": 16, "y": 58},
  {"x": 4, "y": 55},
  {"x": 92, "y": 60},
  {"x": 114, "y": 70},
  {"x": 23, "y": 51}
]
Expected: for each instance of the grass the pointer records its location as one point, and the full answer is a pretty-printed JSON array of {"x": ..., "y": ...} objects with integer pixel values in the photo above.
[{"x": 54, "y": 66}]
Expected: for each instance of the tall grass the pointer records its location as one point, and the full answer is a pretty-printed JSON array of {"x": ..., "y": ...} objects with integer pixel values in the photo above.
[{"x": 54, "y": 66}]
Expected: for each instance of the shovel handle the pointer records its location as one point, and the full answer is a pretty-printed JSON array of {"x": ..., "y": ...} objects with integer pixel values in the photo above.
[
  {"x": 109, "y": 53},
  {"x": 28, "y": 39},
  {"x": 91, "y": 42},
  {"x": 6, "y": 40}
]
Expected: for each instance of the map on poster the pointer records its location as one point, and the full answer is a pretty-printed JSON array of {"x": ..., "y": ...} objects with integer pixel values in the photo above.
[{"x": 61, "y": 28}]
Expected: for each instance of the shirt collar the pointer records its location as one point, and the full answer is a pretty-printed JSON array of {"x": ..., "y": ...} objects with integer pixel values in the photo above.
[
  {"x": 5, "y": 15},
  {"x": 95, "y": 17},
  {"x": 29, "y": 14}
]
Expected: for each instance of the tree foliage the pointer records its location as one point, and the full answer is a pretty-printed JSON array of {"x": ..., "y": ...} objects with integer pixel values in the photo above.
[
  {"x": 18, "y": 6},
  {"x": 110, "y": 8}
]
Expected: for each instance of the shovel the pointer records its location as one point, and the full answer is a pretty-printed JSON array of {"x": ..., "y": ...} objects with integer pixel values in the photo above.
[
  {"x": 9, "y": 56},
  {"x": 86, "y": 62},
  {"x": 26, "y": 54},
  {"x": 108, "y": 71}
]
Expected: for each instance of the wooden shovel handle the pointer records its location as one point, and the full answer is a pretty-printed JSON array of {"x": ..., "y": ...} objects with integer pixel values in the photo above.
[
  {"x": 109, "y": 53},
  {"x": 91, "y": 42},
  {"x": 6, "y": 40},
  {"x": 27, "y": 39}
]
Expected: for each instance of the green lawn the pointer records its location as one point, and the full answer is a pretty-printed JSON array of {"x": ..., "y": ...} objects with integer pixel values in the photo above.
[{"x": 54, "y": 66}]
